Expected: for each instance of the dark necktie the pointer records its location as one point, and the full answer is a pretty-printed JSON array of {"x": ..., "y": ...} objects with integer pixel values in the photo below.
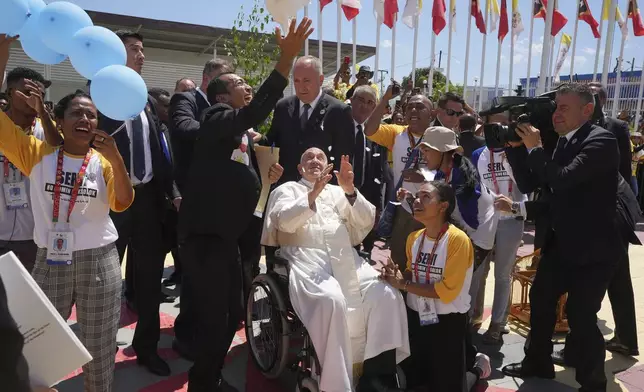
[
  {"x": 304, "y": 118},
  {"x": 358, "y": 158},
  {"x": 138, "y": 150},
  {"x": 561, "y": 145}
]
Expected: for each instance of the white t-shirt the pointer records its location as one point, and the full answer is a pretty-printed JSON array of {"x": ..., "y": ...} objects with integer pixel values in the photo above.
[
  {"x": 18, "y": 224},
  {"x": 450, "y": 270},
  {"x": 496, "y": 174},
  {"x": 90, "y": 221}
]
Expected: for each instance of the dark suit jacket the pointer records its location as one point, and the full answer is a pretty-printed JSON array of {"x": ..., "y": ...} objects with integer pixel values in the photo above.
[
  {"x": 375, "y": 161},
  {"x": 14, "y": 372},
  {"x": 582, "y": 206},
  {"x": 161, "y": 168},
  {"x": 221, "y": 194},
  {"x": 621, "y": 132},
  {"x": 470, "y": 142},
  {"x": 185, "y": 116},
  {"x": 330, "y": 128}
]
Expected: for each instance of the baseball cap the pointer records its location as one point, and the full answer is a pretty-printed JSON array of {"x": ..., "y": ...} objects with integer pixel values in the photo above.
[{"x": 441, "y": 139}]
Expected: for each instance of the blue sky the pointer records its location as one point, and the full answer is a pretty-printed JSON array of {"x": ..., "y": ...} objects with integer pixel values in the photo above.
[{"x": 221, "y": 13}]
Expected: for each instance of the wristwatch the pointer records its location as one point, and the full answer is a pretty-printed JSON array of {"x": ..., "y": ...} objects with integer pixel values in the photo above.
[{"x": 515, "y": 208}]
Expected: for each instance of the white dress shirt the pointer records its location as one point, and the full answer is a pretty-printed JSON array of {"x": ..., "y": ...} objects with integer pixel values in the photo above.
[
  {"x": 312, "y": 104},
  {"x": 146, "y": 147}
]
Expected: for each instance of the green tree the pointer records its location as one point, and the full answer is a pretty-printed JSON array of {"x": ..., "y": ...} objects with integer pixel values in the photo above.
[
  {"x": 422, "y": 74},
  {"x": 251, "y": 48}
]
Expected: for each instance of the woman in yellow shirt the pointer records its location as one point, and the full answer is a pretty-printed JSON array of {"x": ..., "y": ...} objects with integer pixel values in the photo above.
[{"x": 437, "y": 282}]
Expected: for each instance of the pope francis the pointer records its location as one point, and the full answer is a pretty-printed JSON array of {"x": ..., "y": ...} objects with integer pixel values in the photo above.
[{"x": 355, "y": 320}]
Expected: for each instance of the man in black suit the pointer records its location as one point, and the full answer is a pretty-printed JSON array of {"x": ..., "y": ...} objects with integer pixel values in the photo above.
[
  {"x": 578, "y": 255},
  {"x": 466, "y": 137},
  {"x": 141, "y": 226},
  {"x": 308, "y": 119},
  {"x": 369, "y": 158},
  {"x": 220, "y": 199}
]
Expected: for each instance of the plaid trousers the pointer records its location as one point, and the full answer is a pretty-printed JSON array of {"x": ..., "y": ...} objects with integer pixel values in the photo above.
[{"x": 93, "y": 283}]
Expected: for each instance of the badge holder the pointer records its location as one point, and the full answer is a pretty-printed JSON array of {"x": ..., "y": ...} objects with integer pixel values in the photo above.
[
  {"x": 60, "y": 245},
  {"x": 15, "y": 195},
  {"x": 427, "y": 311}
]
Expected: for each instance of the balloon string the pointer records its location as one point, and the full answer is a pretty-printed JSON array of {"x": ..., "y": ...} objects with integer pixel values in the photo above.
[{"x": 119, "y": 129}]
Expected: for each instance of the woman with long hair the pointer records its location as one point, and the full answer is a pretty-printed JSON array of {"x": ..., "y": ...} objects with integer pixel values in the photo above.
[
  {"x": 437, "y": 281},
  {"x": 73, "y": 188}
]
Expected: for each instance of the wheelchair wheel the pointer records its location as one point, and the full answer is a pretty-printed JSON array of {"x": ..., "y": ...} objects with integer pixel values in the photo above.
[
  {"x": 267, "y": 328},
  {"x": 401, "y": 379},
  {"x": 307, "y": 384}
]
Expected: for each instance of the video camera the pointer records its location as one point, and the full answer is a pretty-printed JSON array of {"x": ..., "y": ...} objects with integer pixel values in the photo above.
[{"x": 536, "y": 111}]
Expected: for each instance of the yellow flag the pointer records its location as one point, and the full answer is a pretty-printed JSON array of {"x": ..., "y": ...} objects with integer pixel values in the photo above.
[
  {"x": 606, "y": 11},
  {"x": 566, "y": 40},
  {"x": 493, "y": 8}
]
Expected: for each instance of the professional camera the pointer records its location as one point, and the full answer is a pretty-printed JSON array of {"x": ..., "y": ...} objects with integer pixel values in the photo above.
[{"x": 536, "y": 111}]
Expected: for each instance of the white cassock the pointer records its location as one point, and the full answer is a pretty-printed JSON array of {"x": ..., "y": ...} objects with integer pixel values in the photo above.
[{"x": 349, "y": 313}]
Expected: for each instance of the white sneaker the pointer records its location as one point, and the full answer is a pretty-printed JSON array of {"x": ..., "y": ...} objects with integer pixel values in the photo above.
[{"x": 482, "y": 362}]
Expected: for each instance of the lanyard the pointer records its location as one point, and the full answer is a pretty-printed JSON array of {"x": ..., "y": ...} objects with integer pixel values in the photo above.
[
  {"x": 431, "y": 255},
  {"x": 59, "y": 181},
  {"x": 494, "y": 181}
]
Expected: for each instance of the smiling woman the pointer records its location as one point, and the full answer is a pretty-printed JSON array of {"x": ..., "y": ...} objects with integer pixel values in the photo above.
[{"x": 73, "y": 188}]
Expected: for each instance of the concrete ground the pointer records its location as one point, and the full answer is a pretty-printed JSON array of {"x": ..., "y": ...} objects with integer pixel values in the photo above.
[{"x": 624, "y": 373}]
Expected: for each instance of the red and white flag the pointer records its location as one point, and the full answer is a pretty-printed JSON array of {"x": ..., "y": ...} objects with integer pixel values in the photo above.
[
  {"x": 438, "y": 16},
  {"x": 351, "y": 8}
]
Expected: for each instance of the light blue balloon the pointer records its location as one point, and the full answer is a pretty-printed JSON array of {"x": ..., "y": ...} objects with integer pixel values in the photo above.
[
  {"x": 34, "y": 47},
  {"x": 119, "y": 92},
  {"x": 13, "y": 15},
  {"x": 35, "y": 6},
  {"x": 94, "y": 48},
  {"x": 58, "y": 22}
]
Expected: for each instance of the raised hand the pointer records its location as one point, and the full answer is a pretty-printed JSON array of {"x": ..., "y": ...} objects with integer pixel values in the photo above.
[
  {"x": 34, "y": 97},
  {"x": 292, "y": 43},
  {"x": 5, "y": 43},
  {"x": 319, "y": 184},
  {"x": 345, "y": 176}
]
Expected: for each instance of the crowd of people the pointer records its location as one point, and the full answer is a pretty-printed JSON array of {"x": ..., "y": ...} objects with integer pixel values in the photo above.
[{"x": 446, "y": 197}]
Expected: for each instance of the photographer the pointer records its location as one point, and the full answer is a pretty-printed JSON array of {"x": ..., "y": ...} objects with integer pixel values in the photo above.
[{"x": 581, "y": 232}]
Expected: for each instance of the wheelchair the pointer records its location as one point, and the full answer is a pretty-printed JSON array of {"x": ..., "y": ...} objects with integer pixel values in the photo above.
[{"x": 272, "y": 327}]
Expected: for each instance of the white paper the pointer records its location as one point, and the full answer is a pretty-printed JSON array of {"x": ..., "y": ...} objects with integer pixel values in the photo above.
[{"x": 51, "y": 349}]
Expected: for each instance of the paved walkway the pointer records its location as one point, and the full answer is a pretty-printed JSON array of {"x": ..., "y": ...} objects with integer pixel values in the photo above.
[{"x": 624, "y": 374}]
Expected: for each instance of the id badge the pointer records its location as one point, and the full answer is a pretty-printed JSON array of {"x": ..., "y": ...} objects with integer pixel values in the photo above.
[
  {"x": 427, "y": 311},
  {"x": 15, "y": 195},
  {"x": 60, "y": 248}
]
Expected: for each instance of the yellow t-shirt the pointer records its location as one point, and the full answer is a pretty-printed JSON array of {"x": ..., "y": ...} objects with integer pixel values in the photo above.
[
  {"x": 90, "y": 220},
  {"x": 450, "y": 269}
]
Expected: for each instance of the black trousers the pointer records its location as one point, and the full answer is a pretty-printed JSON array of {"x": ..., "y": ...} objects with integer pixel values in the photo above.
[
  {"x": 586, "y": 286},
  {"x": 438, "y": 353},
  {"x": 140, "y": 229},
  {"x": 25, "y": 251},
  {"x": 250, "y": 252},
  {"x": 622, "y": 300},
  {"x": 211, "y": 265}
]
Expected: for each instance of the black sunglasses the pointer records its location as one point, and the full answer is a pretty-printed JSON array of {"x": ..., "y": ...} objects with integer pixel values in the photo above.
[{"x": 451, "y": 112}]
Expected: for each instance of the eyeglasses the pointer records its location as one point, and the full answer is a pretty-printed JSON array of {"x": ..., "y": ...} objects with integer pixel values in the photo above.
[{"x": 451, "y": 112}]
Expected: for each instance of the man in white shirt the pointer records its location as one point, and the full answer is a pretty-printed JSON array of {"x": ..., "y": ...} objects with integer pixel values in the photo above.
[{"x": 351, "y": 316}]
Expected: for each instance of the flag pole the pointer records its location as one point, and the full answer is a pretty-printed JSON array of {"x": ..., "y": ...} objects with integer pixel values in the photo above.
[
  {"x": 414, "y": 53},
  {"x": 306, "y": 43},
  {"x": 574, "y": 45},
  {"x": 512, "y": 38},
  {"x": 498, "y": 67},
  {"x": 612, "y": 11},
  {"x": 376, "y": 61},
  {"x": 639, "y": 99},
  {"x": 618, "y": 81},
  {"x": 338, "y": 60},
  {"x": 487, "y": 15},
  {"x": 529, "y": 78},
  {"x": 599, "y": 41},
  {"x": 467, "y": 56},
  {"x": 320, "y": 41},
  {"x": 432, "y": 64},
  {"x": 545, "y": 53},
  {"x": 449, "y": 47},
  {"x": 553, "y": 61},
  {"x": 393, "y": 48},
  {"x": 354, "y": 52}
]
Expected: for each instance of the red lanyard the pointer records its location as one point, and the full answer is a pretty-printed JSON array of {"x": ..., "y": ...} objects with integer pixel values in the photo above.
[
  {"x": 494, "y": 181},
  {"x": 59, "y": 183},
  {"x": 431, "y": 255}
]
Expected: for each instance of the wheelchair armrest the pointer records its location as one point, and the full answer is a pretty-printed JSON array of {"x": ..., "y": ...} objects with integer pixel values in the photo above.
[{"x": 273, "y": 256}]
